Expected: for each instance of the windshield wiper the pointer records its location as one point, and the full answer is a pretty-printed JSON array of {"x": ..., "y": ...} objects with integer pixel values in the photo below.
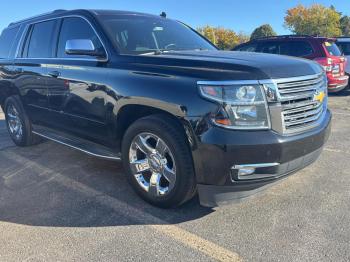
[
  {"x": 157, "y": 52},
  {"x": 164, "y": 51}
]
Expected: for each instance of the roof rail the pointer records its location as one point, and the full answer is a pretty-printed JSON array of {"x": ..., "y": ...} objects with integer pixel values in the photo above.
[
  {"x": 283, "y": 36},
  {"x": 37, "y": 16}
]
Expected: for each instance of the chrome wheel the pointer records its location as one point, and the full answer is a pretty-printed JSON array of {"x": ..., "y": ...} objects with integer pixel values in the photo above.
[
  {"x": 14, "y": 122},
  {"x": 152, "y": 164}
]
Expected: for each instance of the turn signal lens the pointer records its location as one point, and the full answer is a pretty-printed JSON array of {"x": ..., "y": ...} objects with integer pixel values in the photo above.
[{"x": 224, "y": 122}]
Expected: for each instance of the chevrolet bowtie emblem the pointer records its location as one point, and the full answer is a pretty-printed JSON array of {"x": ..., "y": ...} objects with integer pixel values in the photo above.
[{"x": 319, "y": 96}]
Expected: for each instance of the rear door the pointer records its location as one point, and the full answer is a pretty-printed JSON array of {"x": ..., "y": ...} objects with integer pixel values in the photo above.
[
  {"x": 7, "y": 48},
  {"x": 30, "y": 69}
]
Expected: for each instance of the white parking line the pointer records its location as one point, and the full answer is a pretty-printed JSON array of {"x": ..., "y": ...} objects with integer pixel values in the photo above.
[
  {"x": 174, "y": 232},
  {"x": 336, "y": 150},
  {"x": 341, "y": 114}
]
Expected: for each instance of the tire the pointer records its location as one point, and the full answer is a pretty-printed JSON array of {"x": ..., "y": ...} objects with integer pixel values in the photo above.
[
  {"x": 25, "y": 137},
  {"x": 177, "y": 156}
]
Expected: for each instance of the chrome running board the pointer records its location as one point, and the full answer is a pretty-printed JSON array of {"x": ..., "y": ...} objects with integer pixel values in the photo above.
[{"x": 77, "y": 143}]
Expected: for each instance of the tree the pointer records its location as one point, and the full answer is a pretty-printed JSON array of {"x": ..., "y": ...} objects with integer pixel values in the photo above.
[
  {"x": 345, "y": 25},
  {"x": 243, "y": 37},
  {"x": 263, "y": 31},
  {"x": 223, "y": 38},
  {"x": 314, "y": 20}
]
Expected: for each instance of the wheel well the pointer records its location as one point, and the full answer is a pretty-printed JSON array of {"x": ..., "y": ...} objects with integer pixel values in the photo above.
[
  {"x": 5, "y": 92},
  {"x": 131, "y": 113}
]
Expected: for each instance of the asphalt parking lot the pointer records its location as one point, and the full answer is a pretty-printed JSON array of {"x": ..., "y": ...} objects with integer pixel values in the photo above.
[{"x": 57, "y": 204}]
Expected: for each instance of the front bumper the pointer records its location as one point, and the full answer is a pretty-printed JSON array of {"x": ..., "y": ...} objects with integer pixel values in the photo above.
[{"x": 232, "y": 165}]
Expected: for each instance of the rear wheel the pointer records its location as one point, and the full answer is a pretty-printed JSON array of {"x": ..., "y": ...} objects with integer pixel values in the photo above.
[
  {"x": 18, "y": 123},
  {"x": 158, "y": 161}
]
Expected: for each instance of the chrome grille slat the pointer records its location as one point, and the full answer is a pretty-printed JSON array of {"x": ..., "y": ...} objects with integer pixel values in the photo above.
[
  {"x": 300, "y": 111},
  {"x": 301, "y": 95},
  {"x": 303, "y": 121},
  {"x": 304, "y": 114},
  {"x": 300, "y": 83},
  {"x": 300, "y": 89},
  {"x": 296, "y": 108}
]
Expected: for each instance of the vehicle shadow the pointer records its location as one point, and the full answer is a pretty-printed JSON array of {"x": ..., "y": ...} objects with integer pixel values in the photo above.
[
  {"x": 51, "y": 185},
  {"x": 342, "y": 93}
]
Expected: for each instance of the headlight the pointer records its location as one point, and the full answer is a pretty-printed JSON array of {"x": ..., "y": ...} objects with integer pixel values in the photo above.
[{"x": 245, "y": 105}]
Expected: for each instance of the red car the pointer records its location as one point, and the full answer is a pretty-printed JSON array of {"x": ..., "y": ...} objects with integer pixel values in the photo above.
[{"x": 320, "y": 49}]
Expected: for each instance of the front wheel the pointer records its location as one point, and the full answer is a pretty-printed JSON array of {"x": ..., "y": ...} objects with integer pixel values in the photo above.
[{"x": 158, "y": 161}]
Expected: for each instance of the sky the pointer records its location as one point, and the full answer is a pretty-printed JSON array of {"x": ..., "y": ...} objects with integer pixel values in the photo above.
[{"x": 241, "y": 16}]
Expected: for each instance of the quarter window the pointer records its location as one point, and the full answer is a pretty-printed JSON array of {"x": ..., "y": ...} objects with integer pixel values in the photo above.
[
  {"x": 75, "y": 28},
  {"x": 40, "y": 44},
  {"x": 6, "y": 41},
  {"x": 332, "y": 48}
]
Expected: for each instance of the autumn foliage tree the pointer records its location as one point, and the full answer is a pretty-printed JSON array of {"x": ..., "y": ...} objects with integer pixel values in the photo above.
[
  {"x": 314, "y": 20},
  {"x": 263, "y": 31},
  {"x": 345, "y": 25},
  {"x": 223, "y": 38}
]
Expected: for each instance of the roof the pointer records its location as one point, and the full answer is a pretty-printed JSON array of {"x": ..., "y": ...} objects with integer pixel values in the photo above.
[
  {"x": 343, "y": 39},
  {"x": 95, "y": 12},
  {"x": 293, "y": 37},
  {"x": 119, "y": 12}
]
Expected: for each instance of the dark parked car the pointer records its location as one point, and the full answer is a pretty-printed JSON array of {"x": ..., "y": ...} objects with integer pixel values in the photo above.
[
  {"x": 320, "y": 49},
  {"x": 150, "y": 91},
  {"x": 344, "y": 45}
]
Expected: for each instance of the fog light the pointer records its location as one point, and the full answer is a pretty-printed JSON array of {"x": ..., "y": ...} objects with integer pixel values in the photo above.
[{"x": 246, "y": 171}]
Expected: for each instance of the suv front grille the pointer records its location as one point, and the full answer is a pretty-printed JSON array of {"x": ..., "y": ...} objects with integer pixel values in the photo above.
[{"x": 302, "y": 109}]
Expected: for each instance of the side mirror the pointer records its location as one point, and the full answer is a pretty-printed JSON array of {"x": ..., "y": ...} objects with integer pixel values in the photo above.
[{"x": 82, "y": 47}]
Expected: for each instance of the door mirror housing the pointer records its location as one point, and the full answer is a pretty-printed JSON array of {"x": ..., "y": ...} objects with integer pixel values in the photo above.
[{"x": 82, "y": 47}]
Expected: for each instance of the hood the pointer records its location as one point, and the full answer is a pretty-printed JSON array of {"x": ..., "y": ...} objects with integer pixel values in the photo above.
[{"x": 230, "y": 65}]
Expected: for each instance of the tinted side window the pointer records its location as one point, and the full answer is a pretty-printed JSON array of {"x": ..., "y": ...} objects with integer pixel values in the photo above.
[
  {"x": 76, "y": 28},
  {"x": 344, "y": 47},
  {"x": 270, "y": 48},
  {"x": 41, "y": 40},
  {"x": 6, "y": 41},
  {"x": 296, "y": 48},
  {"x": 248, "y": 48}
]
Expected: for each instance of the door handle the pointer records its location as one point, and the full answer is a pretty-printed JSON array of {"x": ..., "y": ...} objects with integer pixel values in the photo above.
[
  {"x": 54, "y": 74},
  {"x": 19, "y": 70}
]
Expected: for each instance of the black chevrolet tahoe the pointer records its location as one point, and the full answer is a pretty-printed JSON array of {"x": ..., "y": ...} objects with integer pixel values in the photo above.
[{"x": 182, "y": 116}]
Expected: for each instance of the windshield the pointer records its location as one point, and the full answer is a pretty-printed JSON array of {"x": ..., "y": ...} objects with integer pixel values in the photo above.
[
  {"x": 332, "y": 48},
  {"x": 142, "y": 35},
  {"x": 345, "y": 47}
]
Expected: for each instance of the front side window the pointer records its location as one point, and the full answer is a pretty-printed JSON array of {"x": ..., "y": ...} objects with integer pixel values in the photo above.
[
  {"x": 6, "y": 41},
  {"x": 76, "y": 28},
  {"x": 40, "y": 43},
  {"x": 142, "y": 34}
]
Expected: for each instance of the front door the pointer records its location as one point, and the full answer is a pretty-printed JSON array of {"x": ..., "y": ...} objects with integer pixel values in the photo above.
[{"x": 76, "y": 89}]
